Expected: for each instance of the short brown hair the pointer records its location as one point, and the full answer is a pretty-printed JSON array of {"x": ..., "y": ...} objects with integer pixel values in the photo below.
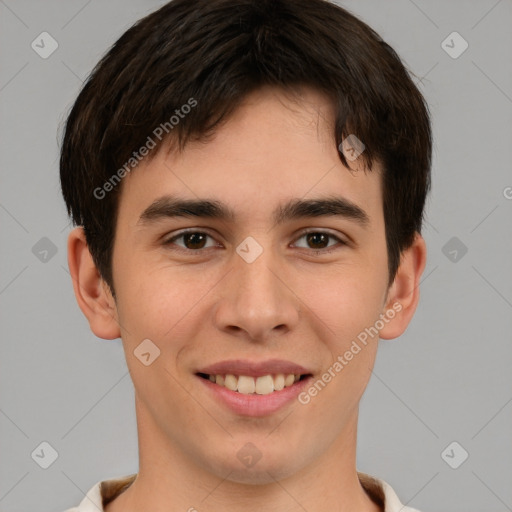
[{"x": 217, "y": 52}]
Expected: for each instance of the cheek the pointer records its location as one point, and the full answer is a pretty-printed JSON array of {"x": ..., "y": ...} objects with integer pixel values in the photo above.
[
  {"x": 346, "y": 305},
  {"x": 348, "y": 308},
  {"x": 161, "y": 302},
  {"x": 346, "y": 298}
]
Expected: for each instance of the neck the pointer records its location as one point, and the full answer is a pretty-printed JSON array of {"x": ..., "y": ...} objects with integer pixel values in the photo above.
[{"x": 172, "y": 481}]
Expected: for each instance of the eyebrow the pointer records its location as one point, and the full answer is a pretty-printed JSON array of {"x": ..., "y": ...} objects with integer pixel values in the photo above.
[{"x": 333, "y": 206}]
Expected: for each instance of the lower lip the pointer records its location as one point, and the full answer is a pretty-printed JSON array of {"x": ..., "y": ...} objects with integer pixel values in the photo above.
[{"x": 254, "y": 404}]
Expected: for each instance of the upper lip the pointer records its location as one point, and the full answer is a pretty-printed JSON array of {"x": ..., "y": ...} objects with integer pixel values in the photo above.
[{"x": 254, "y": 368}]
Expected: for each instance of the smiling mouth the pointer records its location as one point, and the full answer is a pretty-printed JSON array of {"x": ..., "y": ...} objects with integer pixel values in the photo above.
[{"x": 247, "y": 385}]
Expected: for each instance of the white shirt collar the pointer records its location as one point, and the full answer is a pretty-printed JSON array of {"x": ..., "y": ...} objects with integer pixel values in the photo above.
[{"x": 93, "y": 501}]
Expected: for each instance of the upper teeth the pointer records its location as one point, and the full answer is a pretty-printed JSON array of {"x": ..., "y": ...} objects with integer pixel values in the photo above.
[{"x": 259, "y": 385}]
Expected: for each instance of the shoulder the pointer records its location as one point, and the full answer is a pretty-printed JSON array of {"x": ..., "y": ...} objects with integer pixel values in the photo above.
[
  {"x": 103, "y": 493},
  {"x": 383, "y": 494},
  {"x": 92, "y": 501}
]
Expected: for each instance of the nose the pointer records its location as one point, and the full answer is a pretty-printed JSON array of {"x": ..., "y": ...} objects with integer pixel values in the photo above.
[{"x": 257, "y": 302}]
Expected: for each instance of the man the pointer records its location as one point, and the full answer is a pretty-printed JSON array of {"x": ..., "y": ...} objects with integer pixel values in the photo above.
[{"x": 248, "y": 180}]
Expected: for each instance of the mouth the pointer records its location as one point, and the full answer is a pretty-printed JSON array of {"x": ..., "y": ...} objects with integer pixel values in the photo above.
[
  {"x": 254, "y": 388},
  {"x": 252, "y": 385},
  {"x": 260, "y": 395}
]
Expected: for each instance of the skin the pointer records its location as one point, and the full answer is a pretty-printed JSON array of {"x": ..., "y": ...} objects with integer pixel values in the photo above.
[{"x": 210, "y": 305}]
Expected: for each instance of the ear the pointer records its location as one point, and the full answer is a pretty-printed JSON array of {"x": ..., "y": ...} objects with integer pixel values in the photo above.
[
  {"x": 91, "y": 291},
  {"x": 404, "y": 293}
]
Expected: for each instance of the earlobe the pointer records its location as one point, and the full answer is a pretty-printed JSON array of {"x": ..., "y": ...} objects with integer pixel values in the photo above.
[
  {"x": 404, "y": 293},
  {"x": 92, "y": 293}
]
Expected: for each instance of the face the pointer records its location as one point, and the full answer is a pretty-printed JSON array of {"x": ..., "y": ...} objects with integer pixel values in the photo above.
[{"x": 252, "y": 287}]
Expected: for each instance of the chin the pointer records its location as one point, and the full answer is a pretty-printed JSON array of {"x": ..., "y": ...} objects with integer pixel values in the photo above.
[
  {"x": 261, "y": 474},
  {"x": 249, "y": 465}
]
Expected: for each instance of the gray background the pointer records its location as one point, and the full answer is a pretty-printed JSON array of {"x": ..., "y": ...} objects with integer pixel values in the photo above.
[{"x": 446, "y": 379}]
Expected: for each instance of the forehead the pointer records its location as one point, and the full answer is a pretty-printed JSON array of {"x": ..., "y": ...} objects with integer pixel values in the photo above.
[{"x": 273, "y": 147}]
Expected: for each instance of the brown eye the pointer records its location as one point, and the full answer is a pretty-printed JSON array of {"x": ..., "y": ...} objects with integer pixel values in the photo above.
[
  {"x": 191, "y": 241},
  {"x": 194, "y": 240},
  {"x": 319, "y": 241}
]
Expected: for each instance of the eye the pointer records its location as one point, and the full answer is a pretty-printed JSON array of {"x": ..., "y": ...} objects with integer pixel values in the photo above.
[
  {"x": 192, "y": 240},
  {"x": 320, "y": 241}
]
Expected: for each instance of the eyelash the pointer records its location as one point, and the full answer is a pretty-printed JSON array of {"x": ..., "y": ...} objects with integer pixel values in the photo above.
[{"x": 326, "y": 250}]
